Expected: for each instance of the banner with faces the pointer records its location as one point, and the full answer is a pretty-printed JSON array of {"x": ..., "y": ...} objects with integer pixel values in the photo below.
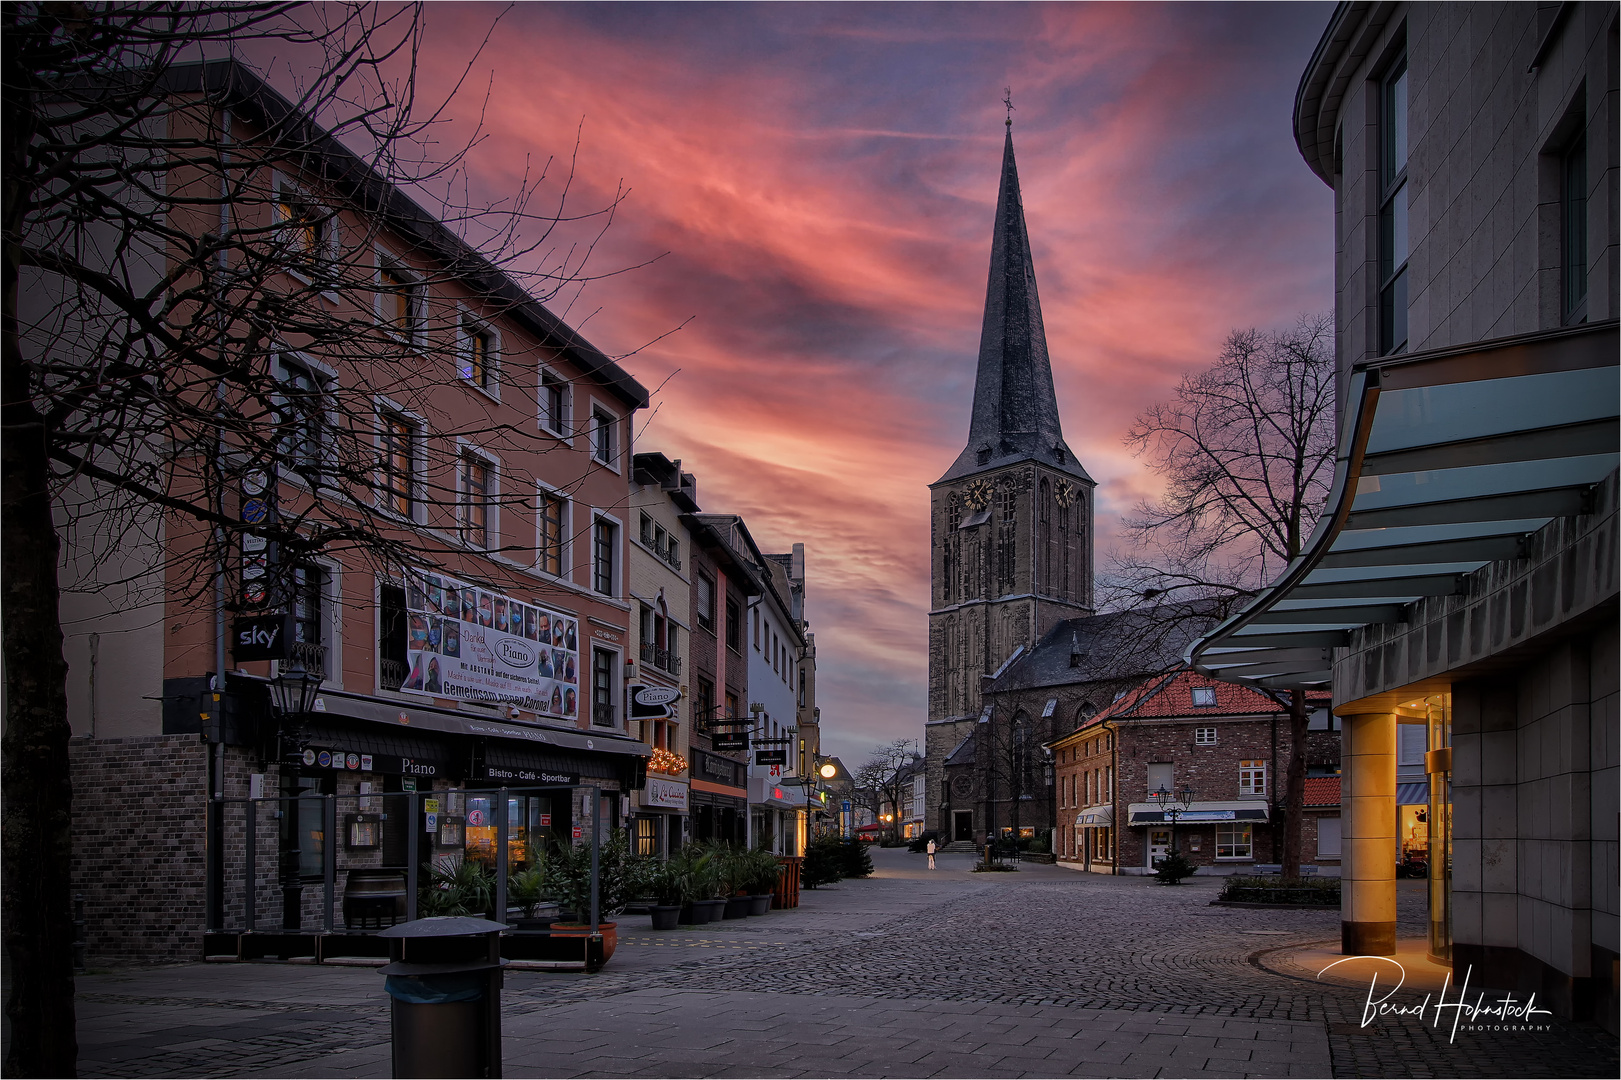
[{"x": 470, "y": 644}]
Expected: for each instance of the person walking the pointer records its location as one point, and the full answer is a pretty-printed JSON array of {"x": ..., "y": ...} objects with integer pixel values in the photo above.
[{"x": 931, "y": 854}]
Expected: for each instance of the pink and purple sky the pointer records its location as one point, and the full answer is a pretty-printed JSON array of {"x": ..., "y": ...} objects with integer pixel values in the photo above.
[{"x": 820, "y": 182}]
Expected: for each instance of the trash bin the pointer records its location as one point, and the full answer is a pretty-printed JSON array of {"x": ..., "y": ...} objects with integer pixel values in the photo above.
[{"x": 445, "y": 986}]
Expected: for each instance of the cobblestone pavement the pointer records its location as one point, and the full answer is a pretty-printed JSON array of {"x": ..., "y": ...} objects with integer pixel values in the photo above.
[{"x": 1047, "y": 972}]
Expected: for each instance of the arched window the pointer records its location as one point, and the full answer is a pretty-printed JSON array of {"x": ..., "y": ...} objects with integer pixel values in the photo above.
[{"x": 1006, "y": 538}]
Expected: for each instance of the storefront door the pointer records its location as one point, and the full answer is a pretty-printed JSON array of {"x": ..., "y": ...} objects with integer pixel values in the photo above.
[{"x": 1159, "y": 845}]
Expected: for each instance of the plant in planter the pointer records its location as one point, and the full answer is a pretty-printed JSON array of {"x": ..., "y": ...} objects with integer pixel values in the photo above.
[
  {"x": 763, "y": 873},
  {"x": 464, "y": 888},
  {"x": 620, "y": 879},
  {"x": 700, "y": 883},
  {"x": 527, "y": 889},
  {"x": 667, "y": 883}
]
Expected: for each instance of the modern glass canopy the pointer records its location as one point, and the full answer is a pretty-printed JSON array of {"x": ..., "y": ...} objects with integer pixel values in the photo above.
[{"x": 1448, "y": 461}]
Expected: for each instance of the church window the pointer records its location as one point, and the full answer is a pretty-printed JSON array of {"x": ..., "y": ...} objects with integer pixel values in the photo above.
[{"x": 1006, "y": 538}]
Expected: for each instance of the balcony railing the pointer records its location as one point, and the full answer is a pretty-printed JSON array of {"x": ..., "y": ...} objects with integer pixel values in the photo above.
[
  {"x": 604, "y": 716},
  {"x": 663, "y": 659},
  {"x": 313, "y": 656},
  {"x": 390, "y": 674}
]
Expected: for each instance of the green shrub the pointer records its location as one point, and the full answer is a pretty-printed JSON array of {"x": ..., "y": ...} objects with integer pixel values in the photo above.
[
  {"x": 466, "y": 888},
  {"x": 854, "y": 860},
  {"x": 1173, "y": 868},
  {"x": 622, "y": 877},
  {"x": 1306, "y": 892},
  {"x": 527, "y": 888},
  {"x": 824, "y": 861}
]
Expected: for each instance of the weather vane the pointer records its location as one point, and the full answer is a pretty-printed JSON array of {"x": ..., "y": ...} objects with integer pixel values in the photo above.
[{"x": 1007, "y": 99}]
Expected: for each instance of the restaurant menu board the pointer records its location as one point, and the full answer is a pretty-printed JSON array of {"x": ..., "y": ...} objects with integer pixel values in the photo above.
[{"x": 465, "y": 643}]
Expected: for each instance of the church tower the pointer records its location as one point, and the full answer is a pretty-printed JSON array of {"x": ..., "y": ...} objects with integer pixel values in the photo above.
[{"x": 1011, "y": 520}]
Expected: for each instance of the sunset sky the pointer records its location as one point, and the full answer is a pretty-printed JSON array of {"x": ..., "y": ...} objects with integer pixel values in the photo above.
[{"x": 819, "y": 181}]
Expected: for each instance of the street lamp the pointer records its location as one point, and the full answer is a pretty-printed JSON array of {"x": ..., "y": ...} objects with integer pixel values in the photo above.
[
  {"x": 292, "y": 694},
  {"x": 1174, "y": 804},
  {"x": 293, "y": 690}
]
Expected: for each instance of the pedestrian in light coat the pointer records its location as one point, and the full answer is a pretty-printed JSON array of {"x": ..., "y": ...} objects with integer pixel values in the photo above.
[{"x": 931, "y": 854}]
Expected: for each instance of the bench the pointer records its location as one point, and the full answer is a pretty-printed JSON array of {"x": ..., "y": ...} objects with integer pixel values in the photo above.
[{"x": 1265, "y": 869}]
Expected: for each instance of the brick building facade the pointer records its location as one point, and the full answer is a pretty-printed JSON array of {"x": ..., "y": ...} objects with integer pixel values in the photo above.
[{"x": 1227, "y": 745}]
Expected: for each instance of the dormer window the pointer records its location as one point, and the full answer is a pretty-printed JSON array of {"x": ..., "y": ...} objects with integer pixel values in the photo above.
[{"x": 1204, "y": 696}]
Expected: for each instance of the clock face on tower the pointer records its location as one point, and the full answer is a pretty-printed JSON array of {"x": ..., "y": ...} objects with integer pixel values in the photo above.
[{"x": 977, "y": 494}]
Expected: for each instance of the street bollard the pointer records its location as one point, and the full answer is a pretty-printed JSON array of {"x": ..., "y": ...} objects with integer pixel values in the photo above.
[{"x": 445, "y": 986}]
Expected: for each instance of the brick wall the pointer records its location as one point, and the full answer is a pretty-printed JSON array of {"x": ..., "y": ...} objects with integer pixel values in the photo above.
[{"x": 138, "y": 852}]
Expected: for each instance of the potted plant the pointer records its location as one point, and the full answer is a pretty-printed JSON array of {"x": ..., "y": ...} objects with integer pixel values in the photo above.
[
  {"x": 619, "y": 878},
  {"x": 764, "y": 872},
  {"x": 692, "y": 868},
  {"x": 466, "y": 887},
  {"x": 707, "y": 899},
  {"x": 527, "y": 890},
  {"x": 667, "y": 883},
  {"x": 734, "y": 882}
]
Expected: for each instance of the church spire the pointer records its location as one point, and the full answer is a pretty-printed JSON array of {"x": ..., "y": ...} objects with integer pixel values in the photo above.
[{"x": 1015, "y": 414}]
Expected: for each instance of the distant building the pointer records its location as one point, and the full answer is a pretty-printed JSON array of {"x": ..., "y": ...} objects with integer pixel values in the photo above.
[{"x": 1227, "y": 745}]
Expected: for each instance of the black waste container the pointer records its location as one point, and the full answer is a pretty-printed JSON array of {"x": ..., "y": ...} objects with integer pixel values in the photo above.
[{"x": 445, "y": 986}]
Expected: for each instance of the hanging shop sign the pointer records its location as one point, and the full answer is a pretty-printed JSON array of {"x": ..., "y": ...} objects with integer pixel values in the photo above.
[
  {"x": 470, "y": 644},
  {"x": 728, "y": 740},
  {"x": 771, "y": 757},
  {"x": 653, "y": 702},
  {"x": 259, "y": 555},
  {"x": 261, "y": 637},
  {"x": 527, "y": 776},
  {"x": 662, "y": 794}
]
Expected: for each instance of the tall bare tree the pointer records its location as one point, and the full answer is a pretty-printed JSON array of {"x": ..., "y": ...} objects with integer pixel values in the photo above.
[
  {"x": 885, "y": 778},
  {"x": 1246, "y": 448},
  {"x": 155, "y": 200}
]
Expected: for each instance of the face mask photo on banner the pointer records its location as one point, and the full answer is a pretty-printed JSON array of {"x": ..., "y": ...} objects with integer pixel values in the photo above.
[{"x": 469, "y": 644}]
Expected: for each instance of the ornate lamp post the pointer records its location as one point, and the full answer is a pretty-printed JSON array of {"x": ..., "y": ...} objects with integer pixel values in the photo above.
[
  {"x": 1174, "y": 804},
  {"x": 292, "y": 694}
]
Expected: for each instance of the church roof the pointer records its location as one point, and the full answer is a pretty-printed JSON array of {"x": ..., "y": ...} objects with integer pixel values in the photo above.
[
  {"x": 1015, "y": 414},
  {"x": 1117, "y": 645},
  {"x": 964, "y": 753}
]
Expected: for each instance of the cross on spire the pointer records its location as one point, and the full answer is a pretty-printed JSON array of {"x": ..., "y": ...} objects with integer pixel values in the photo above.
[{"x": 1007, "y": 99}]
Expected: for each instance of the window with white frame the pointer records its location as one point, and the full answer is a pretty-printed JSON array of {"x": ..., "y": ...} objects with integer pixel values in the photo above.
[
  {"x": 302, "y": 413},
  {"x": 604, "y": 549},
  {"x": 305, "y": 230},
  {"x": 554, "y": 404},
  {"x": 478, "y": 358},
  {"x": 1251, "y": 778},
  {"x": 604, "y": 712},
  {"x": 397, "y": 472},
  {"x": 478, "y": 499},
  {"x": 399, "y": 302},
  {"x": 1233, "y": 841},
  {"x": 1328, "y": 838},
  {"x": 551, "y": 514},
  {"x": 1205, "y": 736},
  {"x": 604, "y": 437}
]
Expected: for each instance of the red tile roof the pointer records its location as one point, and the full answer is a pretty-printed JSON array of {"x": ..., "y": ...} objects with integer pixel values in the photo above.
[
  {"x": 1172, "y": 696},
  {"x": 1322, "y": 791}
]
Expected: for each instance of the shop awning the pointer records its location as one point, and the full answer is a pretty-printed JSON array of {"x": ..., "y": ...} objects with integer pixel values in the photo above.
[
  {"x": 1413, "y": 794},
  {"x": 764, "y": 791},
  {"x": 426, "y": 718},
  {"x": 1198, "y": 813},
  {"x": 1448, "y": 460},
  {"x": 1095, "y": 815}
]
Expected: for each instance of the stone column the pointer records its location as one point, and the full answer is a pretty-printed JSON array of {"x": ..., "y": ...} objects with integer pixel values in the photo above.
[{"x": 1368, "y": 863}]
